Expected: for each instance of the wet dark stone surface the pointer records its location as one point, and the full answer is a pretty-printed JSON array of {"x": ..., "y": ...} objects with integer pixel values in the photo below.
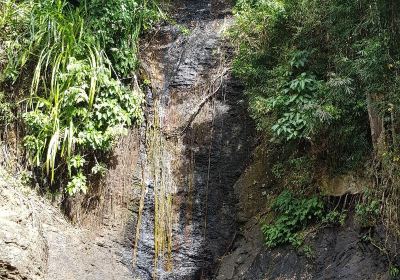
[
  {"x": 213, "y": 151},
  {"x": 337, "y": 253}
]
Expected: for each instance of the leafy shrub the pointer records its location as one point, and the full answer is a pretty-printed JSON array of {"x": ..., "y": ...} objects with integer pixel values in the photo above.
[
  {"x": 334, "y": 218},
  {"x": 6, "y": 114},
  {"x": 294, "y": 172},
  {"x": 86, "y": 113},
  {"x": 368, "y": 212},
  {"x": 293, "y": 215},
  {"x": 394, "y": 272},
  {"x": 303, "y": 80},
  {"x": 118, "y": 25},
  {"x": 296, "y": 103},
  {"x": 77, "y": 106},
  {"x": 14, "y": 26}
]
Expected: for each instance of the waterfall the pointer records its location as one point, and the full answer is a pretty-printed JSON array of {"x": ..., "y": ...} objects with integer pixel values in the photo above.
[{"x": 197, "y": 139}]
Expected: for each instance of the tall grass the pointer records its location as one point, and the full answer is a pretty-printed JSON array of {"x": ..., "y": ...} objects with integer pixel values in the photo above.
[
  {"x": 56, "y": 31},
  {"x": 77, "y": 104}
]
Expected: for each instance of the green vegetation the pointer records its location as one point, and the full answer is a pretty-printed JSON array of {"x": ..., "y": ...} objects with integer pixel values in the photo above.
[
  {"x": 67, "y": 60},
  {"x": 335, "y": 217},
  {"x": 367, "y": 213},
  {"x": 303, "y": 86},
  {"x": 294, "y": 214},
  {"x": 322, "y": 78},
  {"x": 394, "y": 272},
  {"x": 6, "y": 114},
  {"x": 294, "y": 171}
]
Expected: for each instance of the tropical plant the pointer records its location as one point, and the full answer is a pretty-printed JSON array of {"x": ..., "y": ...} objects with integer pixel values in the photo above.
[
  {"x": 293, "y": 215},
  {"x": 368, "y": 212},
  {"x": 77, "y": 106}
]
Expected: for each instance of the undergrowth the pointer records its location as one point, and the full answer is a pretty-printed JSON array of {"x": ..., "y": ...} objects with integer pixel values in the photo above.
[
  {"x": 294, "y": 214},
  {"x": 322, "y": 79},
  {"x": 76, "y": 104},
  {"x": 367, "y": 213}
]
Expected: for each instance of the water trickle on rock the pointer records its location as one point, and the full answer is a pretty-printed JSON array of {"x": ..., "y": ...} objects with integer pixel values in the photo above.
[{"x": 198, "y": 138}]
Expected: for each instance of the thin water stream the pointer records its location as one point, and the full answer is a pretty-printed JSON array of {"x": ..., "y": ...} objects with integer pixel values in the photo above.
[{"x": 198, "y": 138}]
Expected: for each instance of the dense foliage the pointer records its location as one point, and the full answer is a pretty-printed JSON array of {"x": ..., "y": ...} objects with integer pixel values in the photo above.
[
  {"x": 323, "y": 78},
  {"x": 294, "y": 214},
  {"x": 78, "y": 52}
]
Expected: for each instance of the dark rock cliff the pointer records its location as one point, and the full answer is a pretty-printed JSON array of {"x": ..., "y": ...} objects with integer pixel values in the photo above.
[
  {"x": 207, "y": 137},
  {"x": 335, "y": 252}
]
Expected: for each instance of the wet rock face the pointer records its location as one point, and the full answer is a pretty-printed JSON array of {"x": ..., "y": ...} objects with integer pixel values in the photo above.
[
  {"x": 208, "y": 138},
  {"x": 337, "y": 253}
]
